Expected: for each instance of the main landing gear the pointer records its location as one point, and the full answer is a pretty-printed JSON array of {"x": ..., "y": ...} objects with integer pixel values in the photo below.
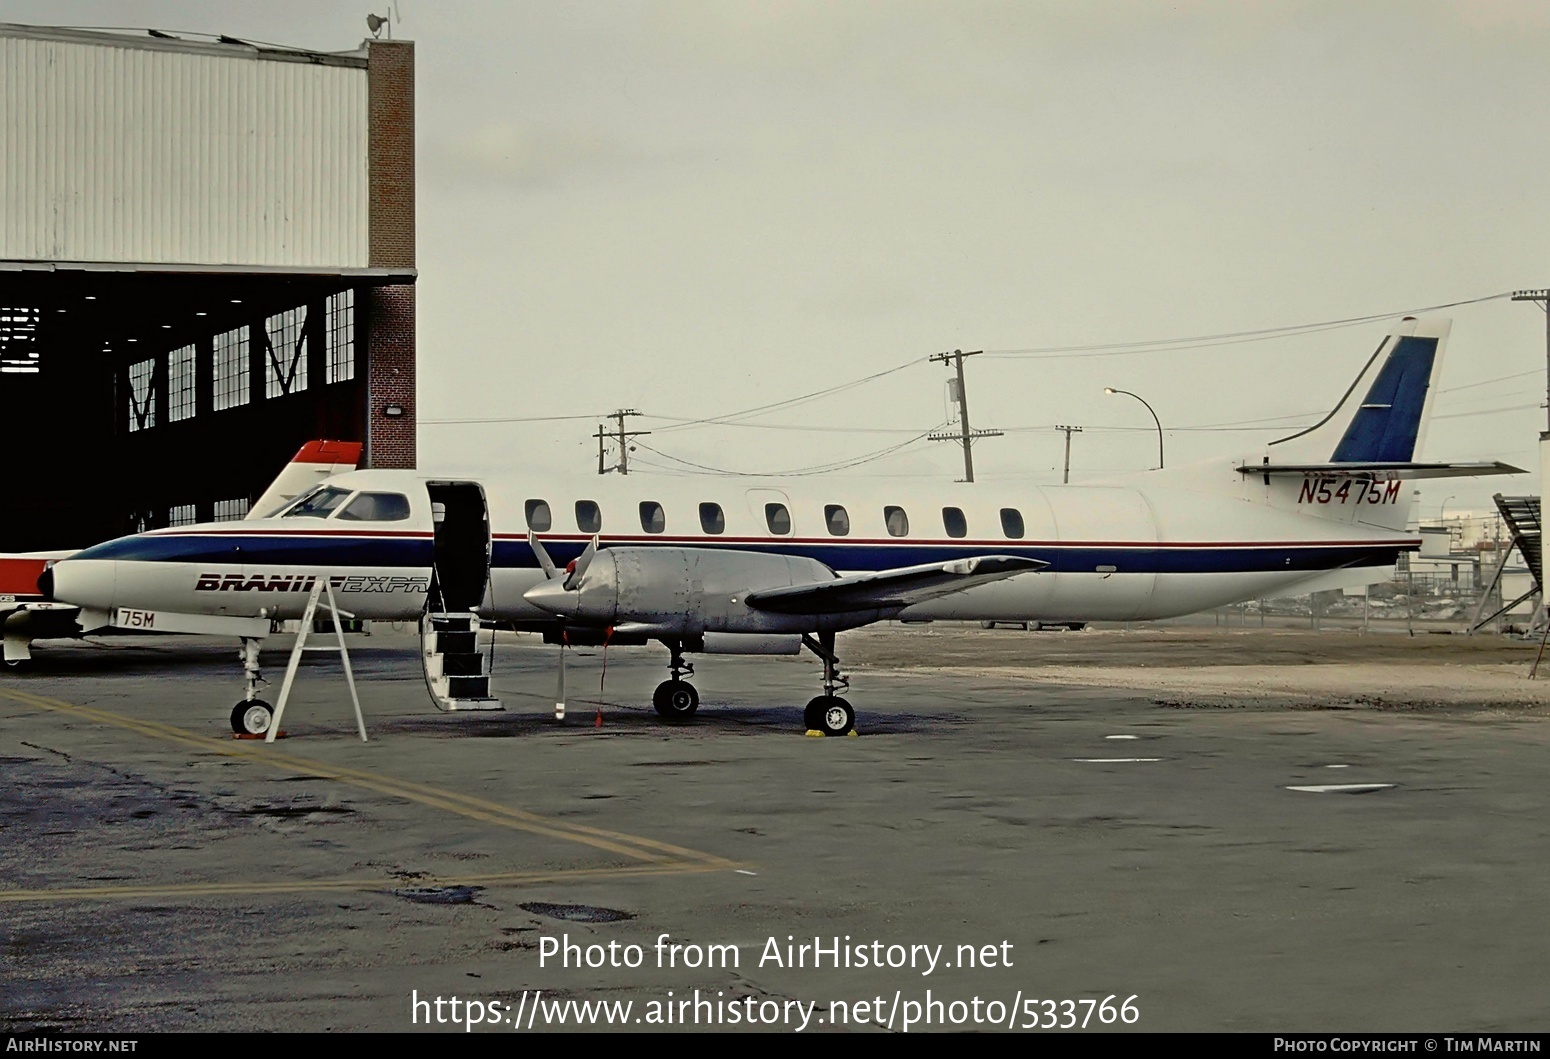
[
  {"x": 675, "y": 698},
  {"x": 251, "y": 716},
  {"x": 828, "y": 713}
]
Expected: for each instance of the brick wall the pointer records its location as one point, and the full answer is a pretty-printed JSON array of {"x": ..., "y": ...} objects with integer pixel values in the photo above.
[{"x": 390, "y": 331}]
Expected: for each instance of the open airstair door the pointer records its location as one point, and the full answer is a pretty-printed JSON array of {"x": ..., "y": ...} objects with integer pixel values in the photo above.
[{"x": 457, "y": 669}]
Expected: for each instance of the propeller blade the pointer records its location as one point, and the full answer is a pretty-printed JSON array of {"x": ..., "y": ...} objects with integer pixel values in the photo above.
[
  {"x": 559, "y": 694},
  {"x": 578, "y": 569},
  {"x": 545, "y": 563}
]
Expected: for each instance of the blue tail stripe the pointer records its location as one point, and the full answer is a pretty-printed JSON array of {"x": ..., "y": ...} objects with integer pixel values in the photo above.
[{"x": 1387, "y": 424}]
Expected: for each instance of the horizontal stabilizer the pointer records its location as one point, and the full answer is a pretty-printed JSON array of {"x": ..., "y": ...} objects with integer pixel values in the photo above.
[
  {"x": 903, "y": 587},
  {"x": 1383, "y": 472}
]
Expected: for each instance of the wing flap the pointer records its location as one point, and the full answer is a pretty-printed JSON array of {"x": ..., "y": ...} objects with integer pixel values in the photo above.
[{"x": 902, "y": 587}]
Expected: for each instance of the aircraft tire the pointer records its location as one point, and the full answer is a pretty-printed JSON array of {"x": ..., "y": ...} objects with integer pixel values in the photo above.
[
  {"x": 830, "y": 715},
  {"x": 251, "y": 717},
  {"x": 675, "y": 700}
]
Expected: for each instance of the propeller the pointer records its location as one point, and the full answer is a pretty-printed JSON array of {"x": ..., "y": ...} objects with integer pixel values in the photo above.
[
  {"x": 545, "y": 563},
  {"x": 575, "y": 571},
  {"x": 555, "y": 583}
]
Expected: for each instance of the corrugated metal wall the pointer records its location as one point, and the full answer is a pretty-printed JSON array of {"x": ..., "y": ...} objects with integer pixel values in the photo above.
[{"x": 135, "y": 154}]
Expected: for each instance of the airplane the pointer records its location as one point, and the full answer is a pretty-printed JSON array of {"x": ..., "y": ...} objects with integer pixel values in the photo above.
[{"x": 716, "y": 565}]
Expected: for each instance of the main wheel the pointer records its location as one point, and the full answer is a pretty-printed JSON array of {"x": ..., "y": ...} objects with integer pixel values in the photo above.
[
  {"x": 676, "y": 700},
  {"x": 830, "y": 715},
  {"x": 251, "y": 717}
]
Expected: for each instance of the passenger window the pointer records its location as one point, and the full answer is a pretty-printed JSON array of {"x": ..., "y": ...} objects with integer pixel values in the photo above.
[
  {"x": 954, "y": 522},
  {"x": 778, "y": 519},
  {"x": 711, "y": 519},
  {"x": 1012, "y": 523},
  {"x": 538, "y": 517},
  {"x": 652, "y": 518},
  {"x": 837, "y": 520},
  {"x": 377, "y": 507},
  {"x": 589, "y": 519},
  {"x": 320, "y": 503},
  {"x": 898, "y": 522}
]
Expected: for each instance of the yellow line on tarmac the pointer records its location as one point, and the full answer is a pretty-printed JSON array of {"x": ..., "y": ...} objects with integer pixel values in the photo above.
[
  {"x": 632, "y": 846},
  {"x": 313, "y": 886}
]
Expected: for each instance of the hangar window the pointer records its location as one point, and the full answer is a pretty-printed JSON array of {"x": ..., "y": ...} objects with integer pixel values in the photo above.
[
  {"x": 589, "y": 518},
  {"x": 711, "y": 518},
  {"x": 231, "y": 368},
  {"x": 182, "y": 515},
  {"x": 142, "y": 395},
  {"x": 954, "y": 522},
  {"x": 285, "y": 345},
  {"x": 320, "y": 503},
  {"x": 377, "y": 507},
  {"x": 778, "y": 519},
  {"x": 180, "y": 384},
  {"x": 538, "y": 517},
  {"x": 1012, "y": 523},
  {"x": 652, "y": 518},
  {"x": 340, "y": 334},
  {"x": 231, "y": 510},
  {"x": 837, "y": 519},
  {"x": 19, "y": 340},
  {"x": 897, "y": 521}
]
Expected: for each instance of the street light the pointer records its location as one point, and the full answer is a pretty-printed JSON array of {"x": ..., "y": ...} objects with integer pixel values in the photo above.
[
  {"x": 1149, "y": 408},
  {"x": 1442, "y": 511}
]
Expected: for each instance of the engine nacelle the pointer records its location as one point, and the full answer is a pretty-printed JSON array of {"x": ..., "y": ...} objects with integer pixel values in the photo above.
[{"x": 683, "y": 592}]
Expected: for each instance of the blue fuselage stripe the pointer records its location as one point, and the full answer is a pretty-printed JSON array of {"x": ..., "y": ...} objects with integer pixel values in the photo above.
[{"x": 508, "y": 554}]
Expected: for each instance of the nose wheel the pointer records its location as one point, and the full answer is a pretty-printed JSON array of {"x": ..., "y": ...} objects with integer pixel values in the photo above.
[{"x": 251, "y": 717}]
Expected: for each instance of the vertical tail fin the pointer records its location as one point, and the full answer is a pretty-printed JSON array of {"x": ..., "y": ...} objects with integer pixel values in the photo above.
[
  {"x": 1382, "y": 418},
  {"x": 315, "y": 461}
]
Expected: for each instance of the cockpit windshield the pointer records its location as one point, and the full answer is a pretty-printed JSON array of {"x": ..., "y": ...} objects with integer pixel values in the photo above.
[
  {"x": 320, "y": 503},
  {"x": 377, "y": 507}
]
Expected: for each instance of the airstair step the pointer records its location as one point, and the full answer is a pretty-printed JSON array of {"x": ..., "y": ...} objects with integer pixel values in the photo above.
[
  {"x": 448, "y": 643},
  {"x": 467, "y": 687},
  {"x": 462, "y": 665},
  {"x": 454, "y": 705}
]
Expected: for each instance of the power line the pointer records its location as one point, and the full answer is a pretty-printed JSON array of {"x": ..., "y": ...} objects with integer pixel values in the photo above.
[
  {"x": 1171, "y": 345},
  {"x": 790, "y": 402},
  {"x": 801, "y": 472}
]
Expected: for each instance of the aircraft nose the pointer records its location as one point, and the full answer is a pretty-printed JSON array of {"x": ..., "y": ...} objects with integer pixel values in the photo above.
[
  {"x": 84, "y": 582},
  {"x": 552, "y": 596}
]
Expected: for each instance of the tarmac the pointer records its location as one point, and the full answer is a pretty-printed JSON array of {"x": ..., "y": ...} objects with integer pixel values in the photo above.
[{"x": 1110, "y": 818}]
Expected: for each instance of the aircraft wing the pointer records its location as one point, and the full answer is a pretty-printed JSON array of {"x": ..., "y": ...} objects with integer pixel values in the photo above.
[
  {"x": 901, "y": 587},
  {"x": 1387, "y": 472}
]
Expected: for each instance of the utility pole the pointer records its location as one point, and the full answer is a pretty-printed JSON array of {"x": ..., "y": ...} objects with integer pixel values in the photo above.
[
  {"x": 1543, "y": 298},
  {"x": 622, "y": 436},
  {"x": 965, "y": 435},
  {"x": 1065, "y": 478}
]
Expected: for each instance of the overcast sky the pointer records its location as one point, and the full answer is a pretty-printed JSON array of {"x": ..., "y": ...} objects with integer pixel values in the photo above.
[{"x": 692, "y": 208}]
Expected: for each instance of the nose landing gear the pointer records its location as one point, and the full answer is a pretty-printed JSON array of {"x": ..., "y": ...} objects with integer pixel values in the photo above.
[{"x": 251, "y": 716}]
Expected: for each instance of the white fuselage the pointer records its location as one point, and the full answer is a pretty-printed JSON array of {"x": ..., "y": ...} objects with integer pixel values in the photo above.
[{"x": 1163, "y": 544}]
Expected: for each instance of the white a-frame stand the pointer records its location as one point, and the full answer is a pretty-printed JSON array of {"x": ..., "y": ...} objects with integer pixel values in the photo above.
[{"x": 319, "y": 587}]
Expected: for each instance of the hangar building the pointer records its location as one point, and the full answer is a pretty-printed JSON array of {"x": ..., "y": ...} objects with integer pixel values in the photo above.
[{"x": 207, "y": 258}]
